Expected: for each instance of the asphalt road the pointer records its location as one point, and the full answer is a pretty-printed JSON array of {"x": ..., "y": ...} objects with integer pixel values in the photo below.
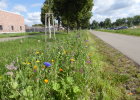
[
  {"x": 11, "y": 38},
  {"x": 14, "y": 38},
  {"x": 128, "y": 45}
]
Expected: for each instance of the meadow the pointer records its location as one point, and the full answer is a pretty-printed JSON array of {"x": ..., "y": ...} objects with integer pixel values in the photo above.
[
  {"x": 135, "y": 32},
  {"x": 66, "y": 68}
]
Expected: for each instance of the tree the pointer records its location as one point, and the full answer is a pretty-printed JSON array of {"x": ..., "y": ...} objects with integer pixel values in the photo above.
[
  {"x": 101, "y": 24},
  {"x": 124, "y": 21},
  {"x": 73, "y": 13},
  {"x": 44, "y": 10},
  {"x": 47, "y": 8},
  {"x": 94, "y": 25},
  {"x": 118, "y": 22},
  {"x": 121, "y": 22},
  {"x": 130, "y": 21},
  {"x": 84, "y": 13},
  {"x": 107, "y": 22},
  {"x": 38, "y": 25},
  {"x": 136, "y": 20}
]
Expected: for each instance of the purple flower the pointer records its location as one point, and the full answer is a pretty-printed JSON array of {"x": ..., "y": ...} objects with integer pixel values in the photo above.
[
  {"x": 86, "y": 40},
  {"x": 89, "y": 62},
  {"x": 47, "y": 64},
  {"x": 35, "y": 71}
]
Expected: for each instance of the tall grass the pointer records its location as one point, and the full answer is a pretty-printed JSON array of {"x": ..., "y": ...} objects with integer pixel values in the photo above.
[{"x": 77, "y": 71}]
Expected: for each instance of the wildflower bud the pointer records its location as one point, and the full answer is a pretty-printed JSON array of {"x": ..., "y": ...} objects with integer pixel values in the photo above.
[
  {"x": 61, "y": 70},
  {"x": 46, "y": 81},
  {"x": 52, "y": 61},
  {"x": 35, "y": 67},
  {"x": 37, "y": 61},
  {"x": 72, "y": 60},
  {"x": 37, "y": 52}
]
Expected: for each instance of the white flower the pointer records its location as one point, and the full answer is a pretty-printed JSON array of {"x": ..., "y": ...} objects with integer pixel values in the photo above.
[
  {"x": 10, "y": 73},
  {"x": 11, "y": 67}
]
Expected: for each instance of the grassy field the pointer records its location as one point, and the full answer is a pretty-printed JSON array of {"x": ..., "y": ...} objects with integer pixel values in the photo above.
[
  {"x": 135, "y": 32},
  {"x": 5, "y": 35},
  {"x": 68, "y": 68}
]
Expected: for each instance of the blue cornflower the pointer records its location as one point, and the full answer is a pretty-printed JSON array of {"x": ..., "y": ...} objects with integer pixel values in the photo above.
[
  {"x": 86, "y": 40},
  {"x": 47, "y": 64}
]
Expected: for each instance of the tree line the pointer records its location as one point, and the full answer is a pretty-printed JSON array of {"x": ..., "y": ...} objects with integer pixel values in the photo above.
[
  {"x": 72, "y": 14},
  {"x": 129, "y": 21}
]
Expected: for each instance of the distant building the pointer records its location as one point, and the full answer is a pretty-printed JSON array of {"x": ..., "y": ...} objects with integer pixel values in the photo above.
[
  {"x": 11, "y": 22},
  {"x": 34, "y": 28}
]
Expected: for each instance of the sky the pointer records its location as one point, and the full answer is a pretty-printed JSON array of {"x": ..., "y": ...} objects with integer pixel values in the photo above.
[
  {"x": 102, "y": 9},
  {"x": 30, "y": 9},
  {"x": 115, "y": 9}
]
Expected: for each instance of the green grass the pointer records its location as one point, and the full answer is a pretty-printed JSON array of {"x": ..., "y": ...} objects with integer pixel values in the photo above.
[
  {"x": 5, "y": 35},
  {"x": 135, "y": 32},
  {"x": 123, "y": 67},
  {"x": 84, "y": 74}
]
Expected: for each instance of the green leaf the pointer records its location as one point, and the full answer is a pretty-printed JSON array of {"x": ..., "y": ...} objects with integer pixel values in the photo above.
[
  {"x": 56, "y": 86},
  {"x": 70, "y": 80},
  {"x": 24, "y": 92},
  {"x": 12, "y": 96},
  {"x": 28, "y": 91},
  {"x": 15, "y": 94},
  {"x": 76, "y": 89},
  {"x": 14, "y": 85},
  {"x": 65, "y": 86}
]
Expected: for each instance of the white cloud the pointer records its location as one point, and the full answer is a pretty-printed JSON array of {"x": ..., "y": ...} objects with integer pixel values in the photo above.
[
  {"x": 115, "y": 9},
  {"x": 33, "y": 18},
  {"x": 20, "y": 8},
  {"x": 28, "y": 22},
  {"x": 3, "y": 4},
  {"x": 36, "y": 5}
]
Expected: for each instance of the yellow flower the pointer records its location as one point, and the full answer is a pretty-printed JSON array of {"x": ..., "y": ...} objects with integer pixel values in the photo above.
[
  {"x": 44, "y": 67},
  {"x": 65, "y": 52},
  {"x": 72, "y": 60},
  {"x": 28, "y": 63},
  {"x": 130, "y": 93},
  {"x": 37, "y": 52},
  {"x": 37, "y": 61},
  {"x": 35, "y": 67},
  {"x": 46, "y": 81},
  {"x": 90, "y": 54},
  {"x": 61, "y": 70},
  {"x": 0, "y": 77},
  {"x": 52, "y": 60}
]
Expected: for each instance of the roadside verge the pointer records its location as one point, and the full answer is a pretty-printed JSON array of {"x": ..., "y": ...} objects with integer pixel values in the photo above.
[{"x": 121, "y": 65}]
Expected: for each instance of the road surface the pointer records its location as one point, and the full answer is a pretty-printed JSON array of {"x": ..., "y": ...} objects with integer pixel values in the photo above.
[
  {"x": 11, "y": 38},
  {"x": 128, "y": 45},
  {"x": 15, "y": 38}
]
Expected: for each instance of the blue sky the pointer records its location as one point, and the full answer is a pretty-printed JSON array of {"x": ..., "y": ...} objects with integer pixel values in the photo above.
[
  {"x": 102, "y": 9},
  {"x": 30, "y": 9},
  {"x": 115, "y": 9}
]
